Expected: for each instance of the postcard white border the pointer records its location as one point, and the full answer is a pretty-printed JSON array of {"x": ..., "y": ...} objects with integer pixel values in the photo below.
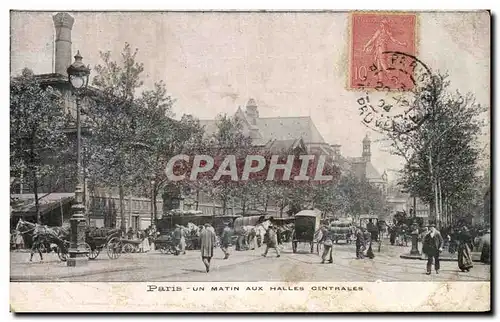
[
  {"x": 58, "y": 296},
  {"x": 259, "y": 297}
]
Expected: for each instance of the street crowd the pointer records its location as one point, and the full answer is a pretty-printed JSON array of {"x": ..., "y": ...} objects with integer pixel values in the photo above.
[{"x": 458, "y": 240}]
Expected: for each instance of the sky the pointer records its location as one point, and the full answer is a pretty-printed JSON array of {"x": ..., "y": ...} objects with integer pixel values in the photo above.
[{"x": 292, "y": 64}]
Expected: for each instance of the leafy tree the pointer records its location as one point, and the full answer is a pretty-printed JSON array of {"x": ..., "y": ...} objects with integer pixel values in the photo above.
[
  {"x": 114, "y": 156},
  {"x": 228, "y": 139},
  {"x": 439, "y": 143},
  {"x": 134, "y": 136},
  {"x": 39, "y": 147}
]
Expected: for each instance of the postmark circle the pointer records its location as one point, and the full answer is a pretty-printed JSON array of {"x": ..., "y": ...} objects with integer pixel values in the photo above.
[{"x": 396, "y": 91}]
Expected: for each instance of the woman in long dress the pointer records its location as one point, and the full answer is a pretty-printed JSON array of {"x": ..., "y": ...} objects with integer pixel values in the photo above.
[
  {"x": 464, "y": 250},
  {"x": 145, "y": 243}
]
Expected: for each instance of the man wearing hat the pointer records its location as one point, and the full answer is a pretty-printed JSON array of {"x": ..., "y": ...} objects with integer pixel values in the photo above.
[
  {"x": 207, "y": 242},
  {"x": 226, "y": 239},
  {"x": 327, "y": 241},
  {"x": 432, "y": 246},
  {"x": 271, "y": 241}
]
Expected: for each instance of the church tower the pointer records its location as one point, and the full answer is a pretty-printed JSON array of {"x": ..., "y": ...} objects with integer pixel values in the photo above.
[
  {"x": 366, "y": 149},
  {"x": 252, "y": 114}
]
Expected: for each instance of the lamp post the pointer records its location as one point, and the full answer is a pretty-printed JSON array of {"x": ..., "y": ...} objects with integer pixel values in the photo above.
[
  {"x": 414, "y": 230},
  {"x": 153, "y": 203},
  {"x": 78, "y": 76}
]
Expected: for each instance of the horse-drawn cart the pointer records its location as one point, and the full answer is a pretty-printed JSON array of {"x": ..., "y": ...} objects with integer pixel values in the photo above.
[
  {"x": 96, "y": 240},
  {"x": 166, "y": 244},
  {"x": 307, "y": 223}
]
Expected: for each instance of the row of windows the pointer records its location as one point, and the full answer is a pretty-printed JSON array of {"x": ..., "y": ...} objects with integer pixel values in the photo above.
[{"x": 137, "y": 205}]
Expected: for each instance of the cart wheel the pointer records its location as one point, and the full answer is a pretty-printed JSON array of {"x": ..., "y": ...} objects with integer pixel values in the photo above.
[
  {"x": 88, "y": 249},
  {"x": 294, "y": 247},
  {"x": 114, "y": 248},
  {"x": 93, "y": 253},
  {"x": 62, "y": 253},
  {"x": 163, "y": 250},
  {"x": 127, "y": 248}
]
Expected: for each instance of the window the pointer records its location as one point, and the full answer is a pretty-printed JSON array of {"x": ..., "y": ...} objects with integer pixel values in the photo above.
[{"x": 136, "y": 224}]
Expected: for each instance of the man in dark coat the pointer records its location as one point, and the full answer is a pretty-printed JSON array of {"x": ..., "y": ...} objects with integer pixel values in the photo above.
[
  {"x": 392, "y": 234},
  {"x": 368, "y": 243},
  {"x": 226, "y": 240},
  {"x": 360, "y": 243},
  {"x": 372, "y": 229},
  {"x": 207, "y": 242},
  {"x": 432, "y": 247}
]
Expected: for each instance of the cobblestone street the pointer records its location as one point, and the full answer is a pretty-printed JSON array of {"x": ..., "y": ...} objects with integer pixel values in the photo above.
[{"x": 247, "y": 266}]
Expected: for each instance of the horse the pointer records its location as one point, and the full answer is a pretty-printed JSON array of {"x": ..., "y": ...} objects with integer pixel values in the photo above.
[{"x": 39, "y": 235}]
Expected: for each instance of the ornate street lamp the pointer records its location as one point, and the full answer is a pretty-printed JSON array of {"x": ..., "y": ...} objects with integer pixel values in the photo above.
[
  {"x": 153, "y": 201},
  {"x": 78, "y": 76}
]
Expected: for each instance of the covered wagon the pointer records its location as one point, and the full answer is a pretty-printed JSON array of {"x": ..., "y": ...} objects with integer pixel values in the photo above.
[{"x": 307, "y": 223}]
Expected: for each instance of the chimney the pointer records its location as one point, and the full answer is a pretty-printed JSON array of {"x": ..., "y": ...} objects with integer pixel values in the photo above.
[{"x": 63, "y": 24}]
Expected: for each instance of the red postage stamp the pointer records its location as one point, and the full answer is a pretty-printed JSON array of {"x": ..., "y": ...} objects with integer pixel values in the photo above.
[{"x": 374, "y": 39}]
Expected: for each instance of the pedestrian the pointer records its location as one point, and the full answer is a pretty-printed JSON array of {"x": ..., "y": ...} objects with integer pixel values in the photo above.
[
  {"x": 279, "y": 233},
  {"x": 19, "y": 240},
  {"x": 326, "y": 239},
  {"x": 226, "y": 239},
  {"x": 432, "y": 247},
  {"x": 145, "y": 246},
  {"x": 392, "y": 235},
  {"x": 182, "y": 242},
  {"x": 485, "y": 247},
  {"x": 464, "y": 250},
  {"x": 151, "y": 239},
  {"x": 177, "y": 238},
  {"x": 207, "y": 243},
  {"x": 251, "y": 239},
  {"x": 367, "y": 236},
  {"x": 360, "y": 243},
  {"x": 271, "y": 241},
  {"x": 372, "y": 229}
]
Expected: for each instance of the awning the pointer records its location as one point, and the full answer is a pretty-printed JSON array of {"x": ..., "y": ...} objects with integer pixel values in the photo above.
[{"x": 24, "y": 204}]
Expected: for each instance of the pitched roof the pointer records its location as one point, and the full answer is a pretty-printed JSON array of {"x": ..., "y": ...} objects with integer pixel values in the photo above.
[
  {"x": 371, "y": 173},
  {"x": 285, "y": 145},
  {"x": 287, "y": 128},
  {"x": 278, "y": 128}
]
